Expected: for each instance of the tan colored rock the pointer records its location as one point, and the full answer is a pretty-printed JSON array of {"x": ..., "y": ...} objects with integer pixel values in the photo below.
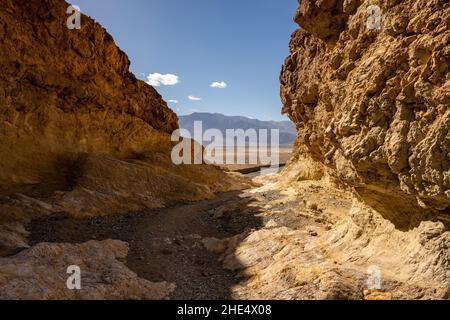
[
  {"x": 355, "y": 254},
  {"x": 371, "y": 106},
  {"x": 40, "y": 273},
  {"x": 419, "y": 256},
  {"x": 64, "y": 92},
  {"x": 271, "y": 224},
  {"x": 80, "y": 134}
]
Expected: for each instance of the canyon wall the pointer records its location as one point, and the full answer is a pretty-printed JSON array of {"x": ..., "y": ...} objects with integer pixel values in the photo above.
[
  {"x": 371, "y": 102},
  {"x": 79, "y": 133},
  {"x": 80, "y": 137},
  {"x": 64, "y": 92},
  {"x": 367, "y": 84}
]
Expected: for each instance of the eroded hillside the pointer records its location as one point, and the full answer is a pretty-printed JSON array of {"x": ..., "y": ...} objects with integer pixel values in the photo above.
[{"x": 81, "y": 137}]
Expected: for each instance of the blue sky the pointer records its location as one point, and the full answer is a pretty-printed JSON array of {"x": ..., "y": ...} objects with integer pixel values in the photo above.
[{"x": 240, "y": 42}]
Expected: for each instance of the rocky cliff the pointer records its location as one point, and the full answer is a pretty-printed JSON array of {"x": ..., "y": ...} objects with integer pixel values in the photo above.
[
  {"x": 371, "y": 101},
  {"x": 80, "y": 136},
  {"x": 76, "y": 123},
  {"x": 362, "y": 209},
  {"x": 360, "y": 212},
  {"x": 64, "y": 92}
]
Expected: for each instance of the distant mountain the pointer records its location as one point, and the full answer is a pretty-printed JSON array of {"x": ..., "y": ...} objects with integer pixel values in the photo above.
[{"x": 287, "y": 130}]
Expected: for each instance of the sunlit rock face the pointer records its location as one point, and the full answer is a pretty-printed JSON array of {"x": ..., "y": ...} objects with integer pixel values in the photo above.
[
  {"x": 370, "y": 96},
  {"x": 80, "y": 135},
  {"x": 39, "y": 273},
  {"x": 66, "y": 91},
  {"x": 371, "y": 101}
]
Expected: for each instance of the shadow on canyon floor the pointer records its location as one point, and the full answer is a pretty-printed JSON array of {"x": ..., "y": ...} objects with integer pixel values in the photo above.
[
  {"x": 402, "y": 210},
  {"x": 166, "y": 244}
]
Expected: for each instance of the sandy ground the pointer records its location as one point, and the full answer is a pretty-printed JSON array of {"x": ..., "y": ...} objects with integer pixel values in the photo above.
[
  {"x": 169, "y": 244},
  {"x": 166, "y": 245},
  {"x": 269, "y": 242}
]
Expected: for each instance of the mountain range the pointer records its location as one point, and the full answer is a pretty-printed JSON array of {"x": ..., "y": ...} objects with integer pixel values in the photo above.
[{"x": 287, "y": 131}]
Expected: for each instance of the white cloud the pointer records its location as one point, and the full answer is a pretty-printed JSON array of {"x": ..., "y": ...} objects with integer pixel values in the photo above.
[
  {"x": 193, "y": 98},
  {"x": 219, "y": 85},
  {"x": 158, "y": 79},
  {"x": 174, "y": 101}
]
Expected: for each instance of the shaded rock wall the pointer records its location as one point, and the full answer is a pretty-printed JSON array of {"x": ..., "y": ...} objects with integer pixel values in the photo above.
[{"x": 372, "y": 106}]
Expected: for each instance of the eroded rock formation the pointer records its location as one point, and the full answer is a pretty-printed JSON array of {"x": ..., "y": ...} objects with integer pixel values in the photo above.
[
  {"x": 40, "y": 273},
  {"x": 367, "y": 190},
  {"x": 372, "y": 105},
  {"x": 80, "y": 136},
  {"x": 371, "y": 161},
  {"x": 65, "y": 92},
  {"x": 319, "y": 242}
]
